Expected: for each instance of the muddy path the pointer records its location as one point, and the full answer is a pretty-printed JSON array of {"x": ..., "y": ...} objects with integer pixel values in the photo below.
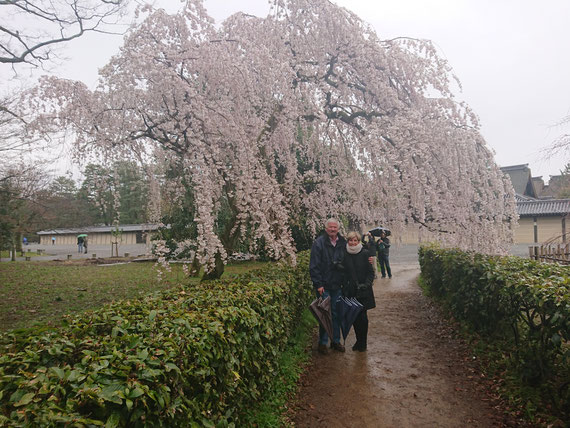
[{"x": 414, "y": 374}]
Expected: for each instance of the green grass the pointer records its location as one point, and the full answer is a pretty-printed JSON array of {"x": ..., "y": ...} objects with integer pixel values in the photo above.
[
  {"x": 34, "y": 293},
  {"x": 6, "y": 255}
]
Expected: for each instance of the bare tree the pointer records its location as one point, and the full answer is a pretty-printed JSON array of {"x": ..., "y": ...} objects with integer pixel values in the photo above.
[
  {"x": 560, "y": 146},
  {"x": 30, "y": 30},
  {"x": 9, "y": 125}
]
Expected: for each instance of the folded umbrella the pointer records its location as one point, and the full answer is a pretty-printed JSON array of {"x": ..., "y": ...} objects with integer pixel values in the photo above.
[
  {"x": 348, "y": 309},
  {"x": 321, "y": 309}
]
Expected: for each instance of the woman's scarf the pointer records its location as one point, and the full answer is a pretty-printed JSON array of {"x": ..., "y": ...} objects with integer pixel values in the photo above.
[{"x": 354, "y": 250}]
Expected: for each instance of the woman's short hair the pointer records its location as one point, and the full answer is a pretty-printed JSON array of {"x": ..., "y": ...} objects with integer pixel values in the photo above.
[{"x": 353, "y": 234}]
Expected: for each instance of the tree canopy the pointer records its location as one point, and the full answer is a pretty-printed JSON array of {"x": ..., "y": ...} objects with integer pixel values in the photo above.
[{"x": 285, "y": 120}]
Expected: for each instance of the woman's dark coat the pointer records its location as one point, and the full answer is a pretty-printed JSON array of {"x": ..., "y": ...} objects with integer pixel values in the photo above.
[{"x": 358, "y": 270}]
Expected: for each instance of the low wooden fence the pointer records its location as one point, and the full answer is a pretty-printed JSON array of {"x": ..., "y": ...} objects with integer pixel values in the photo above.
[{"x": 552, "y": 253}]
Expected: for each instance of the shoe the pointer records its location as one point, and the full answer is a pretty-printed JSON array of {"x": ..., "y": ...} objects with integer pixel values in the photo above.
[
  {"x": 358, "y": 347},
  {"x": 323, "y": 349},
  {"x": 389, "y": 276},
  {"x": 383, "y": 276},
  {"x": 337, "y": 347}
]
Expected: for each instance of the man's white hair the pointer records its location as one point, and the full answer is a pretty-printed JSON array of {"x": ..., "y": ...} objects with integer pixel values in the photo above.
[{"x": 332, "y": 220}]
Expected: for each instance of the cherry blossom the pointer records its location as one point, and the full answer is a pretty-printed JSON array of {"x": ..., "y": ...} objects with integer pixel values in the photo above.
[{"x": 290, "y": 119}]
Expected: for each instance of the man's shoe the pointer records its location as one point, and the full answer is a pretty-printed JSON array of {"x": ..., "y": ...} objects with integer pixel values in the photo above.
[
  {"x": 356, "y": 346},
  {"x": 337, "y": 347},
  {"x": 323, "y": 349}
]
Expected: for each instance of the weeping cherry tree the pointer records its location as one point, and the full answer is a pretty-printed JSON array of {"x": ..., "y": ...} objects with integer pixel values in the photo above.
[{"x": 285, "y": 120}]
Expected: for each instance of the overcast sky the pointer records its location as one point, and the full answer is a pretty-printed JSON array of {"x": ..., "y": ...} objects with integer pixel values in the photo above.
[{"x": 511, "y": 56}]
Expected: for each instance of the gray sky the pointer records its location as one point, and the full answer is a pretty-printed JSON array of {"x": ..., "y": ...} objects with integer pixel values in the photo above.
[{"x": 511, "y": 57}]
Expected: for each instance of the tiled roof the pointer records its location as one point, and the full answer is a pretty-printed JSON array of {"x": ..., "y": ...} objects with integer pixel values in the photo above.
[
  {"x": 543, "y": 207},
  {"x": 522, "y": 198},
  {"x": 100, "y": 229}
]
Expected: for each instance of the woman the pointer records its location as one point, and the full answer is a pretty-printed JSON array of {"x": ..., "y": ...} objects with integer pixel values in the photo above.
[{"x": 359, "y": 276}]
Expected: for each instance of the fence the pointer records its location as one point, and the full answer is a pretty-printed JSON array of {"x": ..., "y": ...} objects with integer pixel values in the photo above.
[{"x": 551, "y": 253}]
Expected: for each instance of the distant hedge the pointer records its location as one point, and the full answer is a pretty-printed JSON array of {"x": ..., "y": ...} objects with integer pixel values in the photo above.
[
  {"x": 187, "y": 357},
  {"x": 525, "y": 301}
]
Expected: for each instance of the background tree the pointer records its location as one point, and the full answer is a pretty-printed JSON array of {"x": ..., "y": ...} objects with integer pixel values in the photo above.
[
  {"x": 133, "y": 192},
  {"x": 98, "y": 192},
  {"x": 281, "y": 122},
  {"x": 62, "y": 206},
  {"x": 118, "y": 192},
  {"x": 20, "y": 209}
]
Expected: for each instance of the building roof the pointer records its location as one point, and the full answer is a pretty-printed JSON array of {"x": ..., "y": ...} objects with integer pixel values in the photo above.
[
  {"x": 101, "y": 229},
  {"x": 521, "y": 178},
  {"x": 521, "y": 198},
  {"x": 540, "y": 207}
]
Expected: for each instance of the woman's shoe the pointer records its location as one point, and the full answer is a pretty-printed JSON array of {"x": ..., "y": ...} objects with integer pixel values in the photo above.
[{"x": 358, "y": 347}]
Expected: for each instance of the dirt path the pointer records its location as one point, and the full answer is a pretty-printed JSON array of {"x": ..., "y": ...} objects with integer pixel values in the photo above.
[{"x": 414, "y": 374}]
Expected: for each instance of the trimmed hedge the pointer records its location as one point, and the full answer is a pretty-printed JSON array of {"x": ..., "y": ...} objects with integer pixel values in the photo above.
[
  {"x": 187, "y": 357},
  {"x": 519, "y": 299}
]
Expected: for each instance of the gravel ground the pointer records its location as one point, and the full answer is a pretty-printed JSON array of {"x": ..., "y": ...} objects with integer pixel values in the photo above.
[
  {"x": 60, "y": 252},
  {"x": 399, "y": 254}
]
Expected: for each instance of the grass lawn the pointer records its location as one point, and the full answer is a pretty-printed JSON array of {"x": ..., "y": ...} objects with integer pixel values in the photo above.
[
  {"x": 41, "y": 292},
  {"x": 6, "y": 255}
]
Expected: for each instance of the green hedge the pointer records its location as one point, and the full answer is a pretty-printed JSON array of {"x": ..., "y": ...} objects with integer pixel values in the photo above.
[
  {"x": 520, "y": 299},
  {"x": 190, "y": 356}
]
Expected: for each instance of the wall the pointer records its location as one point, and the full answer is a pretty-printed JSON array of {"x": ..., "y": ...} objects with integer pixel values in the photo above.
[
  {"x": 100, "y": 238},
  {"x": 547, "y": 228},
  {"x": 524, "y": 233}
]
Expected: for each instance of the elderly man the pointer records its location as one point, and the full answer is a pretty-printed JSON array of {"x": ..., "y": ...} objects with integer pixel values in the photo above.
[{"x": 326, "y": 269}]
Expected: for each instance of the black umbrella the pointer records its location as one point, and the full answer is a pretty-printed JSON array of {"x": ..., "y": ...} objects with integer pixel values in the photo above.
[
  {"x": 321, "y": 309},
  {"x": 378, "y": 230},
  {"x": 348, "y": 309}
]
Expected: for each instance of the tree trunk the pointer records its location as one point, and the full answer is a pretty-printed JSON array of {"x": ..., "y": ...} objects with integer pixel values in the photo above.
[
  {"x": 13, "y": 250},
  {"x": 195, "y": 267},
  {"x": 218, "y": 270},
  {"x": 18, "y": 241}
]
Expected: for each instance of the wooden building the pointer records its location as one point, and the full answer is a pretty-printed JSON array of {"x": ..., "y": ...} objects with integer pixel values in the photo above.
[
  {"x": 100, "y": 235},
  {"x": 540, "y": 220}
]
